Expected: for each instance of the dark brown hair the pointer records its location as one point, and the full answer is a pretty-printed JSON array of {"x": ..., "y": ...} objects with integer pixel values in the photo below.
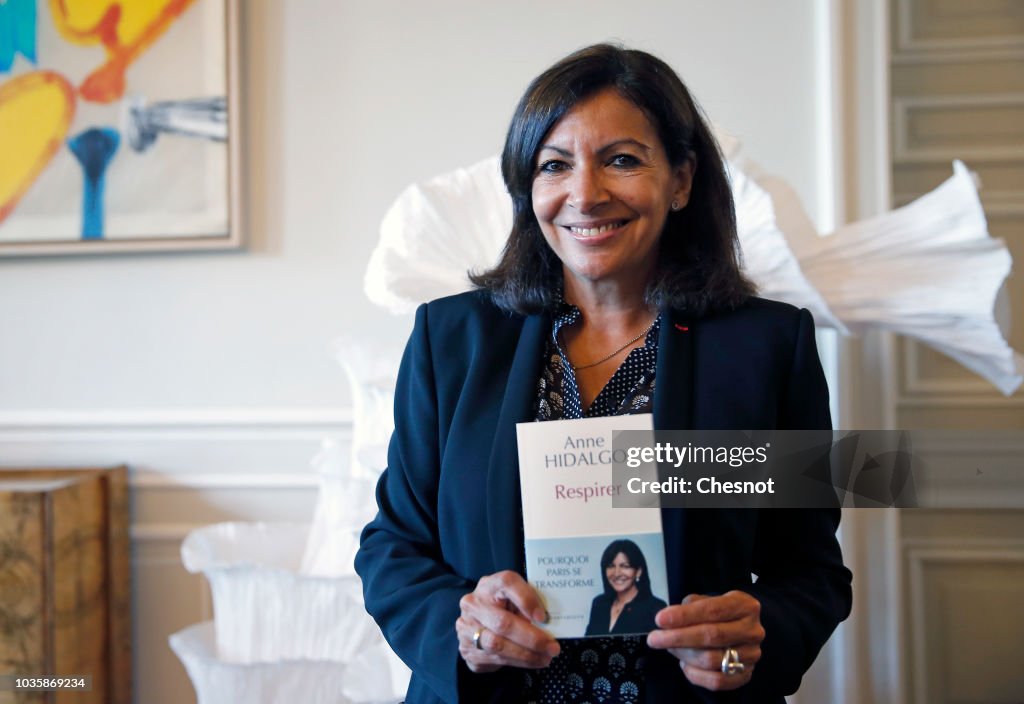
[
  {"x": 636, "y": 560},
  {"x": 698, "y": 263}
]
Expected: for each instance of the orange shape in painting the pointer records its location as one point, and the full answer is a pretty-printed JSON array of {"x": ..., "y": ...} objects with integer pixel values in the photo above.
[
  {"x": 125, "y": 28},
  {"x": 35, "y": 114}
]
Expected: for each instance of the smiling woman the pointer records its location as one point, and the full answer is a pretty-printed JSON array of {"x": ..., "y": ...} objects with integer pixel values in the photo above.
[
  {"x": 626, "y": 605},
  {"x": 619, "y": 291},
  {"x": 603, "y": 190},
  {"x": 628, "y": 112}
]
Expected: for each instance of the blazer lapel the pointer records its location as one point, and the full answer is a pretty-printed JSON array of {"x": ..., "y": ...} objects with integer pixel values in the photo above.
[
  {"x": 673, "y": 410},
  {"x": 673, "y": 395},
  {"x": 505, "y": 527}
]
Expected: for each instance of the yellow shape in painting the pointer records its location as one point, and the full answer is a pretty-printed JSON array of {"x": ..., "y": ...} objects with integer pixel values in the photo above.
[
  {"x": 125, "y": 28},
  {"x": 78, "y": 21},
  {"x": 35, "y": 113},
  {"x": 90, "y": 21}
]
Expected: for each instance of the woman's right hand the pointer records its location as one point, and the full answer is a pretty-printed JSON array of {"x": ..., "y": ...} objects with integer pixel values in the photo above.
[{"x": 502, "y": 608}]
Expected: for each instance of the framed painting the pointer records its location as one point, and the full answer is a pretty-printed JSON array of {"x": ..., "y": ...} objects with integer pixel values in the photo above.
[{"x": 119, "y": 126}]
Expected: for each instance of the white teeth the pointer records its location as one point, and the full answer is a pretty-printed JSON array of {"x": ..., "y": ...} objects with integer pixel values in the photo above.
[{"x": 592, "y": 231}]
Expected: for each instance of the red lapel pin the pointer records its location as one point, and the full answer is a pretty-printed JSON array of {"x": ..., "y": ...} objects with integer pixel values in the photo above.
[{"x": 683, "y": 328}]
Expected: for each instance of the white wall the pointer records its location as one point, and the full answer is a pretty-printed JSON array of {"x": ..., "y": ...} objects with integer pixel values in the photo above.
[
  {"x": 347, "y": 102},
  {"x": 211, "y": 373}
]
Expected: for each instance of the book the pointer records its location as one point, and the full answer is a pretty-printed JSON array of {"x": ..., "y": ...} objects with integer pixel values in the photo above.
[{"x": 582, "y": 553}]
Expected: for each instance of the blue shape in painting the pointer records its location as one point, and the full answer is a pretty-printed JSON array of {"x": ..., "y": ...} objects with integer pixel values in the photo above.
[
  {"x": 94, "y": 148},
  {"x": 17, "y": 31}
]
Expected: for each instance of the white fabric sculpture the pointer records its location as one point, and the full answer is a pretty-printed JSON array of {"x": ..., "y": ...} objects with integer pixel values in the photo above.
[
  {"x": 345, "y": 503},
  {"x": 929, "y": 270}
]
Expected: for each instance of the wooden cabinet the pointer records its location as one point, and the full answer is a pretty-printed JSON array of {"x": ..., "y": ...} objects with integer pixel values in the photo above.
[{"x": 65, "y": 592}]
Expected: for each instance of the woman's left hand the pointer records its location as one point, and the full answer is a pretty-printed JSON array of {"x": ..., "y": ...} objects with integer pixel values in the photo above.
[{"x": 699, "y": 631}]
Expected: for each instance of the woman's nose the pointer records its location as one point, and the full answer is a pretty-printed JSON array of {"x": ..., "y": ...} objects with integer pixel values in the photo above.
[{"x": 587, "y": 189}]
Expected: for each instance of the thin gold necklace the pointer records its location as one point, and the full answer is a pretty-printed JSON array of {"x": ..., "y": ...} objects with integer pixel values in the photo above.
[{"x": 605, "y": 359}]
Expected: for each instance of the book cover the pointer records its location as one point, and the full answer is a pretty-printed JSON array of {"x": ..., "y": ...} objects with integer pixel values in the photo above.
[{"x": 600, "y": 569}]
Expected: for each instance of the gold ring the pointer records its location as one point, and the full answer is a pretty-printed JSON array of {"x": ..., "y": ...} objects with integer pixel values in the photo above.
[{"x": 476, "y": 638}]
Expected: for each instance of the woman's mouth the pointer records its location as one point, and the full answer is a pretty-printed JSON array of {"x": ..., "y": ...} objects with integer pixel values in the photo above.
[{"x": 594, "y": 232}]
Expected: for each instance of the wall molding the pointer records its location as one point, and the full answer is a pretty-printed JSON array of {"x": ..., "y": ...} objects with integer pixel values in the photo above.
[
  {"x": 1000, "y": 203},
  {"x": 903, "y": 106},
  {"x": 179, "y": 448},
  {"x": 915, "y": 384},
  {"x": 917, "y": 558},
  {"x": 142, "y": 479},
  {"x": 991, "y": 443},
  {"x": 964, "y": 46},
  {"x": 162, "y": 532},
  {"x": 944, "y": 545},
  {"x": 968, "y": 469},
  {"x": 961, "y": 401},
  {"x": 906, "y": 42},
  {"x": 958, "y": 55},
  {"x": 174, "y": 419},
  {"x": 1005, "y": 203},
  {"x": 970, "y": 391}
]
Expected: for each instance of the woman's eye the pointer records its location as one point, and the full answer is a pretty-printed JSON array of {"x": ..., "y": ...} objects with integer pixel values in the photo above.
[
  {"x": 627, "y": 160},
  {"x": 552, "y": 166}
]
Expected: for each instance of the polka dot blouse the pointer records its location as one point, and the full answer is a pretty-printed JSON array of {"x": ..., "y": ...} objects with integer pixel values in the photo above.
[{"x": 592, "y": 670}]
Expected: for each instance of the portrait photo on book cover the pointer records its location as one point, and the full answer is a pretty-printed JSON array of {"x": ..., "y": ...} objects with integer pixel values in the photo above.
[{"x": 627, "y": 604}]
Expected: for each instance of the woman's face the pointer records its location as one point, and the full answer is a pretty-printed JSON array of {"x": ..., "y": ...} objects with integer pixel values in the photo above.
[
  {"x": 621, "y": 574},
  {"x": 602, "y": 190}
]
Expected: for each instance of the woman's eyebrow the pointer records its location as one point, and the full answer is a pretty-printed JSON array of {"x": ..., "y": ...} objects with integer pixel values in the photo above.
[
  {"x": 563, "y": 152},
  {"x": 621, "y": 142},
  {"x": 606, "y": 148}
]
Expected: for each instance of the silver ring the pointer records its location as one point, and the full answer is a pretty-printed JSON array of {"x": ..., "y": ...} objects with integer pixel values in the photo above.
[
  {"x": 731, "y": 664},
  {"x": 480, "y": 632}
]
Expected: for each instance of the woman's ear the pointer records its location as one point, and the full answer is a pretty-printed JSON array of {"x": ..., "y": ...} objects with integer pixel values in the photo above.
[
  {"x": 683, "y": 182},
  {"x": 639, "y": 574}
]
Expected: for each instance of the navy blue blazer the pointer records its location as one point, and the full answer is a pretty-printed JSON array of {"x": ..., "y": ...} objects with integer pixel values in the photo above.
[
  {"x": 637, "y": 616},
  {"x": 449, "y": 499}
]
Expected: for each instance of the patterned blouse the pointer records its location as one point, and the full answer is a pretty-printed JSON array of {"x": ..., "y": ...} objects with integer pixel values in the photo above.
[{"x": 593, "y": 670}]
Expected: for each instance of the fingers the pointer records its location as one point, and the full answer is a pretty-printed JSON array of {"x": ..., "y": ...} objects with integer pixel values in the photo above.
[
  {"x": 494, "y": 650},
  {"x": 716, "y": 680},
  {"x": 710, "y": 659},
  {"x": 697, "y": 609},
  {"x": 513, "y": 627},
  {"x": 729, "y": 620},
  {"x": 510, "y": 588},
  {"x": 499, "y": 606},
  {"x": 703, "y": 667},
  {"x": 699, "y": 631},
  {"x": 499, "y": 603},
  {"x": 731, "y": 634}
]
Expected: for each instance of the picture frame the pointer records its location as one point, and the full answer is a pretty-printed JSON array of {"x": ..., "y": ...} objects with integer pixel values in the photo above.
[{"x": 123, "y": 127}]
